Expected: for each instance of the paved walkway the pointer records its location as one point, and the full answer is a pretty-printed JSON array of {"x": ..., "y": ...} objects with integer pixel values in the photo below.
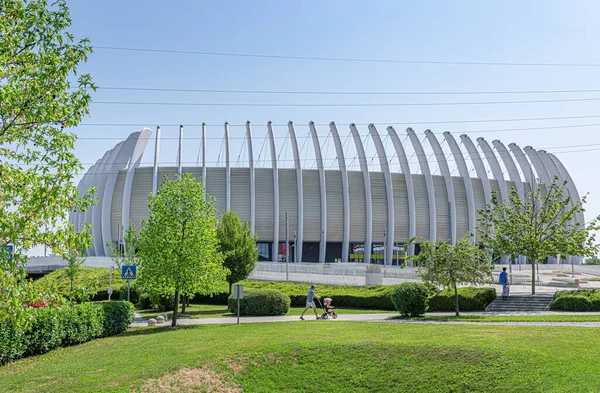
[{"x": 138, "y": 322}]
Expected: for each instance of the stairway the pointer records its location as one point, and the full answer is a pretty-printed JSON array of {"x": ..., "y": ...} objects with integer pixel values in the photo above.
[{"x": 520, "y": 303}]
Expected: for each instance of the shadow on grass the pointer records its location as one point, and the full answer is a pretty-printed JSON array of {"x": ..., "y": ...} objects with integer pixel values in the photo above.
[
  {"x": 441, "y": 318},
  {"x": 145, "y": 331}
]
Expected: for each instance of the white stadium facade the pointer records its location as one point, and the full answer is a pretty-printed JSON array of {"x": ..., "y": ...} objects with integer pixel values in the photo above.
[{"x": 335, "y": 213}]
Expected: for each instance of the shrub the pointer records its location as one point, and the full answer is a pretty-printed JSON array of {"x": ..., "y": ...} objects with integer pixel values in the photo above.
[
  {"x": 144, "y": 301},
  {"x": 46, "y": 331},
  {"x": 571, "y": 303},
  {"x": 81, "y": 323},
  {"x": 410, "y": 298},
  {"x": 261, "y": 302},
  {"x": 162, "y": 302},
  {"x": 117, "y": 316},
  {"x": 469, "y": 299},
  {"x": 12, "y": 343},
  {"x": 592, "y": 294}
]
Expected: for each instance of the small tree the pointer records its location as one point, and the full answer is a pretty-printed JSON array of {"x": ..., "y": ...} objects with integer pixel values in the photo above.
[
  {"x": 449, "y": 266},
  {"x": 42, "y": 96},
  {"x": 542, "y": 226},
  {"x": 238, "y": 247},
  {"x": 178, "y": 247},
  {"x": 75, "y": 260},
  {"x": 127, "y": 254}
]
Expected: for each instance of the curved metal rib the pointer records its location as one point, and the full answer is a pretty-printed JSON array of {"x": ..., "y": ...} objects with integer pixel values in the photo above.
[
  {"x": 511, "y": 167},
  {"x": 156, "y": 159},
  {"x": 539, "y": 166},
  {"x": 495, "y": 167},
  {"x": 252, "y": 185},
  {"x": 300, "y": 233},
  {"x": 464, "y": 173},
  {"x": 96, "y": 218},
  {"x": 275, "y": 192},
  {"x": 323, "y": 190},
  {"x": 339, "y": 149},
  {"x": 479, "y": 168},
  {"x": 119, "y": 162},
  {"x": 368, "y": 200},
  {"x": 420, "y": 153},
  {"x": 389, "y": 190},
  {"x": 526, "y": 168},
  {"x": 410, "y": 189},
  {"x": 443, "y": 164}
]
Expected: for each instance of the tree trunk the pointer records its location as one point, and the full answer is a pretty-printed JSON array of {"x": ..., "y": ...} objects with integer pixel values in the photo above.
[
  {"x": 532, "y": 277},
  {"x": 174, "y": 319},
  {"x": 456, "y": 299},
  {"x": 230, "y": 285},
  {"x": 183, "y": 301}
]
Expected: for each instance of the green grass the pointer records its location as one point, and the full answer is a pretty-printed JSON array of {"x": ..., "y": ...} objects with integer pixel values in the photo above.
[
  {"x": 215, "y": 311},
  {"x": 324, "y": 357},
  {"x": 507, "y": 318}
]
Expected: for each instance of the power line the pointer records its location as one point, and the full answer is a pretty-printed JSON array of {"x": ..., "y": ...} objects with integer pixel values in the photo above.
[
  {"x": 345, "y": 59},
  {"x": 364, "y": 124},
  {"x": 320, "y": 92},
  {"x": 272, "y": 104}
]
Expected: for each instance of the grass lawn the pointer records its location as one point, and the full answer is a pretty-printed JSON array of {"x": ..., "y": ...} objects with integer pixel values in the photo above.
[
  {"x": 316, "y": 357},
  {"x": 217, "y": 311},
  {"x": 509, "y": 318}
]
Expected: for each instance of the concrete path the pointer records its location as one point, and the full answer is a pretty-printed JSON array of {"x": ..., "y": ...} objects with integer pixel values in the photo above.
[{"x": 384, "y": 317}]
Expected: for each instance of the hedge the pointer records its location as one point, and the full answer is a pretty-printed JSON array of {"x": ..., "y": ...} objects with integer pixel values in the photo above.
[
  {"x": 52, "y": 327},
  {"x": 410, "y": 298},
  {"x": 593, "y": 296},
  {"x": 571, "y": 303},
  {"x": 469, "y": 299},
  {"x": 261, "y": 302}
]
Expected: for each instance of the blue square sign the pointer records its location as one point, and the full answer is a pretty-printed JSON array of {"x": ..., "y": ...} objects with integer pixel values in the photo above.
[
  {"x": 128, "y": 272},
  {"x": 10, "y": 251}
]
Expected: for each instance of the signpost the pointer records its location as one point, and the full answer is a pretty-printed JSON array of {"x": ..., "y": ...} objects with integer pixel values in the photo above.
[
  {"x": 238, "y": 293},
  {"x": 10, "y": 252},
  {"x": 128, "y": 273},
  {"x": 110, "y": 291}
]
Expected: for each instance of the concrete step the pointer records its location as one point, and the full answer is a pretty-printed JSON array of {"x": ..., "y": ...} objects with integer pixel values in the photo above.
[{"x": 520, "y": 303}]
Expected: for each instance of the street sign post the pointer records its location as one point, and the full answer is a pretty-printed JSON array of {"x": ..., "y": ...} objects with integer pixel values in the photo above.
[
  {"x": 110, "y": 291},
  {"x": 128, "y": 273},
  {"x": 238, "y": 293}
]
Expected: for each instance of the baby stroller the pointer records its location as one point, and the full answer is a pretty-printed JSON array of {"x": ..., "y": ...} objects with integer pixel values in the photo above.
[{"x": 328, "y": 308}]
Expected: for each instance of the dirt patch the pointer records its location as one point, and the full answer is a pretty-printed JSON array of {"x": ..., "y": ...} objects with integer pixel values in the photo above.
[
  {"x": 189, "y": 380},
  {"x": 236, "y": 365}
]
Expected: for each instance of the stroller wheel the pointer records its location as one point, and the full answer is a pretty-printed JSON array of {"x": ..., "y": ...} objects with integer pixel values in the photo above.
[
  {"x": 324, "y": 316},
  {"x": 334, "y": 315}
]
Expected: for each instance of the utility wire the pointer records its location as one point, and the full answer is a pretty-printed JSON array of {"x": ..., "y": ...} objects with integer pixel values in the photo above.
[
  {"x": 345, "y": 59},
  {"x": 363, "y": 104},
  {"x": 380, "y": 124},
  {"x": 320, "y": 92}
]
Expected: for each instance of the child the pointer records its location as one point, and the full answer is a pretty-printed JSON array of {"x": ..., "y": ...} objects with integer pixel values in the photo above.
[{"x": 328, "y": 306}]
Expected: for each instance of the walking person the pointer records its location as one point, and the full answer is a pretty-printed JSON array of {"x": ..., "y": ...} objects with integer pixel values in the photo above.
[
  {"x": 310, "y": 302},
  {"x": 504, "y": 282}
]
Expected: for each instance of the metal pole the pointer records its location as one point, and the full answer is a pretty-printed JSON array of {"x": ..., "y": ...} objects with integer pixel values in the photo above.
[
  {"x": 287, "y": 250},
  {"x": 110, "y": 283},
  {"x": 128, "y": 288},
  {"x": 238, "y": 311},
  {"x": 510, "y": 272},
  {"x": 295, "y": 252},
  {"x": 180, "y": 159}
]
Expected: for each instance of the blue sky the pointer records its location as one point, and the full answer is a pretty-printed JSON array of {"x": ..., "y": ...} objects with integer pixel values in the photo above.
[{"x": 471, "y": 31}]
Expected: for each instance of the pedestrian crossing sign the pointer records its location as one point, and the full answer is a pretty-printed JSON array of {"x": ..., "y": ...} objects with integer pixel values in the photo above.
[{"x": 128, "y": 272}]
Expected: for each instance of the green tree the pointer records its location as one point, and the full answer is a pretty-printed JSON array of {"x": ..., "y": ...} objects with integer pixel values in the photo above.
[
  {"x": 543, "y": 225},
  {"x": 449, "y": 266},
  {"x": 74, "y": 260},
  {"x": 178, "y": 246},
  {"x": 41, "y": 97},
  {"x": 238, "y": 247},
  {"x": 592, "y": 261},
  {"x": 125, "y": 255}
]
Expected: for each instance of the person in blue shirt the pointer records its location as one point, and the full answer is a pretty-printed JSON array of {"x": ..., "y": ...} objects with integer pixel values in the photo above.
[
  {"x": 310, "y": 302},
  {"x": 504, "y": 282}
]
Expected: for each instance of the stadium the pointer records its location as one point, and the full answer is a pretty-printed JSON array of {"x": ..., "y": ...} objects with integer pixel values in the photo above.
[{"x": 351, "y": 204}]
